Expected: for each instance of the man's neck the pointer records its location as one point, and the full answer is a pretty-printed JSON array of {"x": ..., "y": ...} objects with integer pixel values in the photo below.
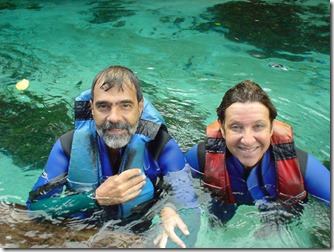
[
  {"x": 115, "y": 158},
  {"x": 114, "y": 153}
]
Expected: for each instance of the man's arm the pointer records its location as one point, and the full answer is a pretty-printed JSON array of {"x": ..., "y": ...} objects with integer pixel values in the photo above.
[
  {"x": 49, "y": 192},
  {"x": 53, "y": 177},
  {"x": 181, "y": 217}
]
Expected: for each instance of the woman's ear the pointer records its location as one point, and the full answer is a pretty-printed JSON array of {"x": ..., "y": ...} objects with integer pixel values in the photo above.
[
  {"x": 272, "y": 127},
  {"x": 222, "y": 130}
]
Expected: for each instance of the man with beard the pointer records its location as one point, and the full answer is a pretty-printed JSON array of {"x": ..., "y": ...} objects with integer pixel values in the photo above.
[{"x": 117, "y": 163}]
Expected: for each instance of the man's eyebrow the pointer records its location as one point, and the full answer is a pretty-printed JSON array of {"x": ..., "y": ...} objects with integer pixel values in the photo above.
[
  {"x": 101, "y": 102},
  {"x": 126, "y": 101}
]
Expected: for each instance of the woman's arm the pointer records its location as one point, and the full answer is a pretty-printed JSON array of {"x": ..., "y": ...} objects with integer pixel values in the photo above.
[
  {"x": 317, "y": 179},
  {"x": 192, "y": 158}
]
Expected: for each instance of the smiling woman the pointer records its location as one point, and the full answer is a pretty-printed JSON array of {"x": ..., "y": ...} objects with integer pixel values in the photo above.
[
  {"x": 186, "y": 55},
  {"x": 250, "y": 158}
]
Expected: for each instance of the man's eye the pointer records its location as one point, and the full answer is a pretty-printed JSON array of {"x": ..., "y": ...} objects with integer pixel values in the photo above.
[
  {"x": 126, "y": 106},
  {"x": 102, "y": 107}
]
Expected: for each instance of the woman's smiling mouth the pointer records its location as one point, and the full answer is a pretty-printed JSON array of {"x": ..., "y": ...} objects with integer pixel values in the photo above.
[{"x": 248, "y": 150}]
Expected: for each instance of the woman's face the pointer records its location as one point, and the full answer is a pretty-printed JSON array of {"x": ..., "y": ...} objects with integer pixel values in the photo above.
[{"x": 247, "y": 131}]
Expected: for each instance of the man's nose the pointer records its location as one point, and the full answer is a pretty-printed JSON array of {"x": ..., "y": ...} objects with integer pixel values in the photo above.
[{"x": 114, "y": 115}]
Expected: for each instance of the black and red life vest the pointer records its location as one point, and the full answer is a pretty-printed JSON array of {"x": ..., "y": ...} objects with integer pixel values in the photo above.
[{"x": 290, "y": 183}]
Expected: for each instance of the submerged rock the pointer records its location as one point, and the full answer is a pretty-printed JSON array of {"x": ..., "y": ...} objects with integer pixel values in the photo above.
[{"x": 19, "y": 231}]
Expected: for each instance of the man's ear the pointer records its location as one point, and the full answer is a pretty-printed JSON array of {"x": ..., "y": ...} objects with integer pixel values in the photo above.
[
  {"x": 91, "y": 106},
  {"x": 141, "y": 106}
]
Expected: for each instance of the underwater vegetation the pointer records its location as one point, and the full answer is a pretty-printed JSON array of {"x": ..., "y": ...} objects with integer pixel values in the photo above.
[
  {"x": 11, "y": 6},
  {"x": 7, "y": 5},
  {"x": 285, "y": 29},
  {"x": 110, "y": 11},
  {"x": 272, "y": 27},
  {"x": 29, "y": 130}
]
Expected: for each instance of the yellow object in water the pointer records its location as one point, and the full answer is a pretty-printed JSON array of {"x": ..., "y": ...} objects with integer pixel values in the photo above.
[{"x": 22, "y": 85}]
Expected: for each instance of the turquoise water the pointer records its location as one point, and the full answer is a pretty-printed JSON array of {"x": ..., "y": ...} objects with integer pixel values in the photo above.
[{"x": 187, "y": 54}]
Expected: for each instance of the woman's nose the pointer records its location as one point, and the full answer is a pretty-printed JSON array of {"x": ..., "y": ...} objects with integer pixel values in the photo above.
[{"x": 247, "y": 137}]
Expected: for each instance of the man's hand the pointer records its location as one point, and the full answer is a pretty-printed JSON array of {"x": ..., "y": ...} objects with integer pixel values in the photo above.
[
  {"x": 120, "y": 188},
  {"x": 170, "y": 219}
]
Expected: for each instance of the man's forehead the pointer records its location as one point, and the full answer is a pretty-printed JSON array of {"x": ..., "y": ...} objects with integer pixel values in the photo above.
[
  {"x": 105, "y": 86},
  {"x": 125, "y": 91}
]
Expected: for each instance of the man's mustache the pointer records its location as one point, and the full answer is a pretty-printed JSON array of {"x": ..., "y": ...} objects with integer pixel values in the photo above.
[{"x": 110, "y": 125}]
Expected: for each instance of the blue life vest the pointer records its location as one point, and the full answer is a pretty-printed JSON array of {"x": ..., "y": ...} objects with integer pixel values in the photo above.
[{"x": 85, "y": 172}]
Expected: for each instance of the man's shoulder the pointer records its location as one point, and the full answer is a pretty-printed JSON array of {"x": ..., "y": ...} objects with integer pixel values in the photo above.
[
  {"x": 157, "y": 145},
  {"x": 66, "y": 142}
]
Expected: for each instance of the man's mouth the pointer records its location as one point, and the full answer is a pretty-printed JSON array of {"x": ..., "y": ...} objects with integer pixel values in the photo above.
[{"x": 115, "y": 131}]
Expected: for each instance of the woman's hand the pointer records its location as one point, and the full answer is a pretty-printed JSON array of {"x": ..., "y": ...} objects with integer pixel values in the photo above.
[
  {"x": 120, "y": 188},
  {"x": 170, "y": 219}
]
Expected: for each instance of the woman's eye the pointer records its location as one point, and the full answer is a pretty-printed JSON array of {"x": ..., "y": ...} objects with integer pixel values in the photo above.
[
  {"x": 258, "y": 127},
  {"x": 235, "y": 128}
]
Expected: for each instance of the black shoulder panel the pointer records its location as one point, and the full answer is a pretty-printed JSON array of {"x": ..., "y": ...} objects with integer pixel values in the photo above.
[
  {"x": 148, "y": 128},
  {"x": 302, "y": 159},
  {"x": 66, "y": 142},
  {"x": 201, "y": 156},
  {"x": 156, "y": 146}
]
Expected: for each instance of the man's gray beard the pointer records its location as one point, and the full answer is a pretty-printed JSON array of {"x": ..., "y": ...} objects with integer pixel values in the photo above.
[{"x": 117, "y": 141}]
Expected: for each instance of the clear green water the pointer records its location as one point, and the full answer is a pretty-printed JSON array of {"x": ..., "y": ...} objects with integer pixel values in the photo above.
[{"x": 187, "y": 54}]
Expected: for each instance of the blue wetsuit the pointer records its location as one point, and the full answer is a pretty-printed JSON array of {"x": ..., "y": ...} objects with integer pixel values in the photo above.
[
  {"x": 62, "y": 190},
  {"x": 47, "y": 192},
  {"x": 58, "y": 163}
]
